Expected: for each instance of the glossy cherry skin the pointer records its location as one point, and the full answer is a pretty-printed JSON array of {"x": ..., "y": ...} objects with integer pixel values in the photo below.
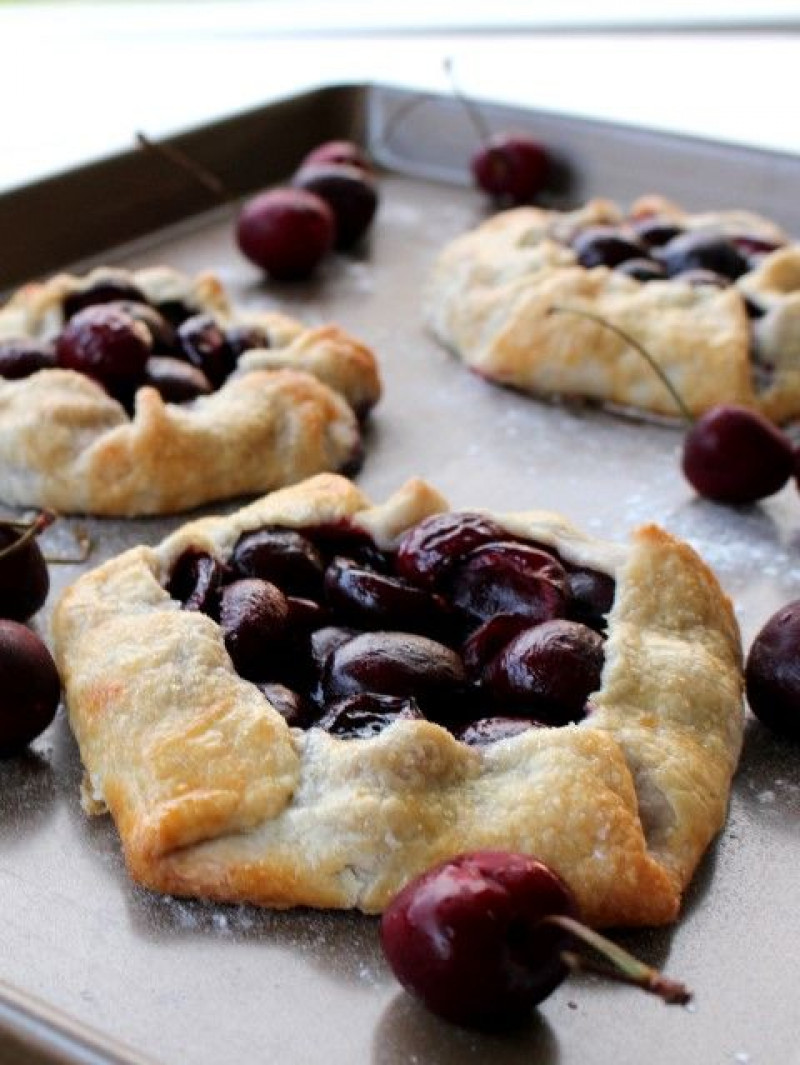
[
  {"x": 398, "y": 663},
  {"x": 286, "y": 232},
  {"x": 24, "y": 579},
  {"x": 164, "y": 340},
  {"x": 703, "y": 250},
  {"x": 174, "y": 380},
  {"x": 429, "y": 550},
  {"x": 283, "y": 556},
  {"x": 486, "y": 730},
  {"x": 734, "y": 455},
  {"x": 204, "y": 344},
  {"x": 254, "y": 617},
  {"x": 372, "y": 600},
  {"x": 591, "y": 596},
  {"x": 348, "y": 191},
  {"x": 324, "y": 642},
  {"x": 511, "y": 167},
  {"x": 106, "y": 344},
  {"x": 296, "y": 711},
  {"x": 195, "y": 580},
  {"x": 509, "y": 578},
  {"x": 467, "y": 938},
  {"x": 339, "y": 153},
  {"x": 362, "y": 716},
  {"x": 23, "y": 357},
  {"x": 108, "y": 291},
  {"x": 30, "y": 688},
  {"x": 242, "y": 338},
  {"x": 772, "y": 672},
  {"x": 489, "y": 639},
  {"x": 606, "y": 246},
  {"x": 549, "y": 670}
]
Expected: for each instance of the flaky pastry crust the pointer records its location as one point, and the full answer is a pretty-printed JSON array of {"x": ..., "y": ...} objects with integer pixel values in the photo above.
[
  {"x": 491, "y": 292},
  {"x": 214, "y": 796},
  {"x": 289, "y": 411}
]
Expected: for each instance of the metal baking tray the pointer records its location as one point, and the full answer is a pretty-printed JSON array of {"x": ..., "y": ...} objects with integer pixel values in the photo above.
[{"x": 94, "y": 969}]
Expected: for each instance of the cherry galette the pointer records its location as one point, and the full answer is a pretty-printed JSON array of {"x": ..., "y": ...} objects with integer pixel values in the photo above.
[
  {"x": 310, "y": 701},
  {"x": 713, "y": 297},
  {"x": 146, "y": 393}
]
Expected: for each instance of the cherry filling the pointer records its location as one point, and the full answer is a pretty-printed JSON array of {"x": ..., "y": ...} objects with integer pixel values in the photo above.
[{"x": 464, "y": 623}]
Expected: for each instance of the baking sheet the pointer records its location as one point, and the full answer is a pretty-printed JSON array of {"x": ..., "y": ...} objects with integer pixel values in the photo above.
[{"x": 180, "y": 981}]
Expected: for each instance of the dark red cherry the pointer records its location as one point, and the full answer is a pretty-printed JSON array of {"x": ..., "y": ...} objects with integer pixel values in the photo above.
[
  {"x": 655, "y": 231},
  {"x": 195, "y": 580},
  {"x": 486, "y": 730},
  {"x": 703, "y": 250},
  {"x": 735, "y": 455},
  {"x": 606, "y": 246},
  {"x": 372, "y": 600},
  {"x": 489, "y": 639},
  {"x": 642, "y": 269},
  {"x": 362, "y": 716},
  {"x": 296, "y": 711},
  {"x": 341, "y": 538},
  {"x": 176, "y": 381},
  {"x": 254, "y": 617},
  {"x": 433, "y": 547},
  {"x": 772, "y": 672},
  {"x": 591, "y": 595},
  {"x": 549, "y": 670},
  {"x": 349, "y": 192},
  {"x": 286, "y": 232},
  {"x": 467, "y": 938},
  {"x": 283, "y": 556},
  {"x": 30, "y": 688},
  {"x": 204, "y": 344},
  {"x": 398, "y": 663},
  {"x": 511, "y": 167},
  {"x": 754, "y": 244},
  {"x": 22, "y": 357},
  {"x": 339, "y": 153},
  {"x": 242, "y": 338},
  {"x": 509, "y": 578},
  {"x": 107, "y": 344},
  {"x": 305, "y": 615},
  {"x": 107, "y": 291},
  {"x": 24, "y": 579},
  {"x": 175, "y": 311}
]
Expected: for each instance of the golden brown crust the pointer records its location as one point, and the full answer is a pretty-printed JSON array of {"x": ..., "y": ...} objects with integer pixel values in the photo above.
[
  {"x": 288, "y": 412},
  {"x": 215, "y": 796},
  {"x": 491, "y": 292}
]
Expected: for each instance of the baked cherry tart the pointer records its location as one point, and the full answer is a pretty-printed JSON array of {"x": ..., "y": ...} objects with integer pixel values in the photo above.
[
  {"x": 158, "y": 395},
  {"x": 314, "y": 699},
  {"x": 714, "y": 296}
]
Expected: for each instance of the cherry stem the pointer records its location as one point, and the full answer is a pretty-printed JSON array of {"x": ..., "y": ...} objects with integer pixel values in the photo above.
[
  {"x": 476, "y": 118},
  {"x": 31, "y": 531},
  {"x": 177, "y": 158},
  {"x": 634, "y": 343},
  {"x": 618, "y": 964}
]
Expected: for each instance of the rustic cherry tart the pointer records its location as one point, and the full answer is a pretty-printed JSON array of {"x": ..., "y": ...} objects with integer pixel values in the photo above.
[
  {"x": 312, "y": 700},
  {"x": 714, "y": 297},
  {"x": 147, "y": 393}
]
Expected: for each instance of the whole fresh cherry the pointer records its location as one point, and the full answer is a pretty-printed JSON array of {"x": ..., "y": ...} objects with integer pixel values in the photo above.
[
  {"x": 467, "y": 937},
  {"x": 29, "y": 687},
  {"x": 482, "y": 938},
  {"x": 22, "y": 357},
  {"x": 349, "y": 192},
  {"x": 772, "y": 672},
  {"x": 24, "y": 579},
  {"x": 511, "y": 167},
  {"x": 735, "y": 455},
  {"x": 286, "y": 232}
]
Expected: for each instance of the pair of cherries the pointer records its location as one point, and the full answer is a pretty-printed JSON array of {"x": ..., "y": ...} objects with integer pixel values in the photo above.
[
  {"x": 330, "y": 203},
  {"x": 30, "y": 687}
]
